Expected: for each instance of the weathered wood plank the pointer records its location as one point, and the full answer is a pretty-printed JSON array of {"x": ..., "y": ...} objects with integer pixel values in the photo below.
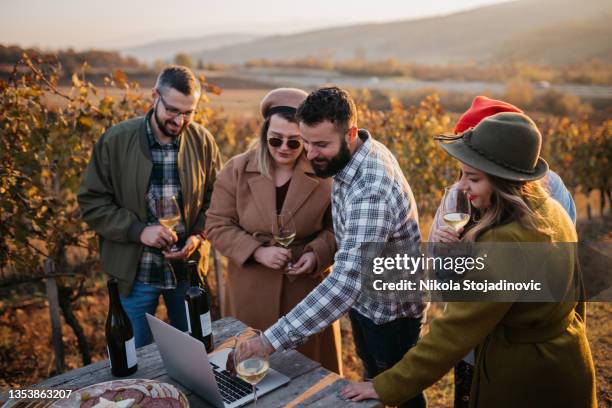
[
  {"x": 148, "y": 364},
  {"x": 319, "y": 387},
  {"x": 329, "y": 396},
  {"x": 292, "y": 391},
  {"x": 311, "y": 385},
  {"x": 292, "y": 364},
  {"x": 149, "y": 361}
]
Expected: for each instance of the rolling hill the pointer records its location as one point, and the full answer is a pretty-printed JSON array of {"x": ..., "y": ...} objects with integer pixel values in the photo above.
[
  {"x": 555, "y": 31},
  {"x": 166, "y": 50}
]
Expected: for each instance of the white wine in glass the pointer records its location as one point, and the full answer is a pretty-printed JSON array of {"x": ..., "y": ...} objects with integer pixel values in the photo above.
[
  {"x": 253, "y": 370},
  {"x": 455, "y": 208},
  {"x": 170, "y": 222},
  {"x": 285, "y": 241},
  {"x": 251, "y": 358},
  {"x": 456, "y": 220},
  {"x": 168, "y": 214},
  {"x": 283, "y": 229}
]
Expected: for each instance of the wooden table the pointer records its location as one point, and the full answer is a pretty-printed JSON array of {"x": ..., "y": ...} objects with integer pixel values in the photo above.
[{"x": 311, "y": 385}]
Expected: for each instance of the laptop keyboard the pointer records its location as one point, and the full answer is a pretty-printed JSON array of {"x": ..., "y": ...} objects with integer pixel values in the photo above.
[{"x": 232, "y": 388}]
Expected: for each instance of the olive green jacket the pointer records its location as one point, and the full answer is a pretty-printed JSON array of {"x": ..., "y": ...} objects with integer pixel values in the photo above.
[
  {"x": 528, "y": 355},
  {"x": 112, "y": 195}
]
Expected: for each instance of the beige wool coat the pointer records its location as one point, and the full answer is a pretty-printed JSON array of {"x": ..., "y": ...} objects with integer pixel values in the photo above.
[{"x": 240, "y": 220}]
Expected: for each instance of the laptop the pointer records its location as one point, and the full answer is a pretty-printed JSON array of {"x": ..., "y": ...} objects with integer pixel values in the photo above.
[{"x": 187, "y": 362}]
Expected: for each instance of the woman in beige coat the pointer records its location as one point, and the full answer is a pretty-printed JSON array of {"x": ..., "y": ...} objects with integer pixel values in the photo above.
[{"x": 264, "y": 280}]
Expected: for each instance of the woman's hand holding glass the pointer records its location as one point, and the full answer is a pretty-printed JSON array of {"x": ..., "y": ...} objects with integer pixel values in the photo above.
[
  {"x": 445, "y": 234},
  {"x": 455, "y": 212}
]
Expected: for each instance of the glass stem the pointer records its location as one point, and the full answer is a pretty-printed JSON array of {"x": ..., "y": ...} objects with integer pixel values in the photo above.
[{"x": 255, "y": 394}]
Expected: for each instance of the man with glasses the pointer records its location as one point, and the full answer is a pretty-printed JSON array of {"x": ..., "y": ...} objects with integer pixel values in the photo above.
[{"x": 134, "y": 166}]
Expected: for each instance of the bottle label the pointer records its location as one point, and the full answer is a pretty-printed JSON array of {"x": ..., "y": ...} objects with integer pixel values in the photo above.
[
  {"x": 188, "y": 319},
  {"x": 110, "y": 360},
  {"x": 206, "y": 324},
  {"x": 130, "y": 352}
]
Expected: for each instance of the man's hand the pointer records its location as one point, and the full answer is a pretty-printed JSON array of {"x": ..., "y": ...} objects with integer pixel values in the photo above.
[
  {"x": 192, "y": 243},
  {"x": 305, "y": 265},
  {"x": 272, "y": 257},
  {"x": 359, "y": 391},
  {"x": 158, "y": 236}
]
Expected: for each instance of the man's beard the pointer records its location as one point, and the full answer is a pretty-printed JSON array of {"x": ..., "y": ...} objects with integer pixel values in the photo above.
[
  {"x": 162, "y": 127},
  {"x": 330, "y": 167}
]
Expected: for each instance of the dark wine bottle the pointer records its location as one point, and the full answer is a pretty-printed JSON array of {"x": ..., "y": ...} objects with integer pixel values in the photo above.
[
  {"x": 197, "y": 308},
  {"x": 120, "y": 342}
]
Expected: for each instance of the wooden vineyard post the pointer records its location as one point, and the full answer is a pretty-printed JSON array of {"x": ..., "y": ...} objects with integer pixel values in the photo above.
[
  {"x": 220, "y": 281},
  {"x": 54, "y": 311}
]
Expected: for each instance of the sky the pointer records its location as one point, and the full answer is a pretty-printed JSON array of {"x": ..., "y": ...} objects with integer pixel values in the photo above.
[{"x": 80, "y": 24}]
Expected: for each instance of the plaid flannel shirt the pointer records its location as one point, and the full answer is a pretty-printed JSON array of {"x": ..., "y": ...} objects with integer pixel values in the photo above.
[
  {"x": 371, "y": 202},
  {"x": 164, "y": 182}
]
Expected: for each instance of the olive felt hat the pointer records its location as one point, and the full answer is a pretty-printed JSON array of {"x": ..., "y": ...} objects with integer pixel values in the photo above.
[{"x": 506, "y": 145}]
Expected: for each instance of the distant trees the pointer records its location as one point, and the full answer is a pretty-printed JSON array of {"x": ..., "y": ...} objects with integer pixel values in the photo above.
[
  {"x": 595, "y": 72},
  {"x": 70, "y": 59},
  {"x": 183, "y": 59}
]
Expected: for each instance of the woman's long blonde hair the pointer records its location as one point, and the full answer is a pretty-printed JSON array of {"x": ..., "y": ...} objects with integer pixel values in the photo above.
[{"x": 510, "y": 201}]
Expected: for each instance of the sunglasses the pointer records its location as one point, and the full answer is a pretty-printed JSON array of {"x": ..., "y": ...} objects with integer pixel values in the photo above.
[{"x": 278, "y": 142}]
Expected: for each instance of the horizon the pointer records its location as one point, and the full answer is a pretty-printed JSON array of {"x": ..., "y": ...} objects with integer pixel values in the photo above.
[{"x": 48, "y": 26}]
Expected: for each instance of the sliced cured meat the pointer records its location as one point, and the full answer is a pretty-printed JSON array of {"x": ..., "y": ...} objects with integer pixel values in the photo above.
[
  {"x": 158, "y": 403},
  {"x": 90, "y": 402},
  {"x": 132, "y": 392},
  {"x": 145, "y": 402},
  {"x": 174, "y": 402},
  {"x": 136, "y": 395},
  {"x": 109, "y": 394}
]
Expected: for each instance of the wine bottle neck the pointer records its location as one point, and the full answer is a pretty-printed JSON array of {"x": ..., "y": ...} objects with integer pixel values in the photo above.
[
  {"x": 113, "y": 293},
  {"x": 194, "y": 279}
]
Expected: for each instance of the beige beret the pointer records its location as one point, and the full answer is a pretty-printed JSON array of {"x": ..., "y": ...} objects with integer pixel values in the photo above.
[{"x": 282, "y": 97}]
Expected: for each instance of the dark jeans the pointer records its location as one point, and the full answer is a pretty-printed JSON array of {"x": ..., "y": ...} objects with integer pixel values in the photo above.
[
  {"x": 464, "y": 373},
  {"x": 144, "y": 299},
  {"x": 381, "y": 346}
]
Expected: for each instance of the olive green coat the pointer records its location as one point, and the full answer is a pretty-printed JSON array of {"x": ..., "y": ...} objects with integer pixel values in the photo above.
[
  {"x": 528, "y": 355},
  {"x": 113, "y": 191}
]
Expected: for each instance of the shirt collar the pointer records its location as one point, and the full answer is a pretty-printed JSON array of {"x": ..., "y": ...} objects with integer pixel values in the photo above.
[{"x": 347, "y": 174}]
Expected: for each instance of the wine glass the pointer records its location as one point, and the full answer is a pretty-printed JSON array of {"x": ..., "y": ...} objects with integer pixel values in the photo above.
[
  {"x": 455, "y": 208},
  {"x": 251, "y": 358},
  {"x": 283, "y": 229},
  {"x": 168, "y": 214}
]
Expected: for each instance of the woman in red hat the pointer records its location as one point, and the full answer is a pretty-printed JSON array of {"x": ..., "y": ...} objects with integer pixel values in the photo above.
[
  {"x": 264, "y": 280},
  {"x": 528, "y": 355}
]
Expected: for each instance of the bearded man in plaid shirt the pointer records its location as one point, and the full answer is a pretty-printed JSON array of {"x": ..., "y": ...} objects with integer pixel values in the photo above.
[{"x": 371, "y": 203}]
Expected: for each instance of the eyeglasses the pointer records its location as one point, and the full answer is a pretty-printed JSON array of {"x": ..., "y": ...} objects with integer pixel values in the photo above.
[
  {"x": 172, "y": 111},
  {"x": 278, "y": 142}
]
